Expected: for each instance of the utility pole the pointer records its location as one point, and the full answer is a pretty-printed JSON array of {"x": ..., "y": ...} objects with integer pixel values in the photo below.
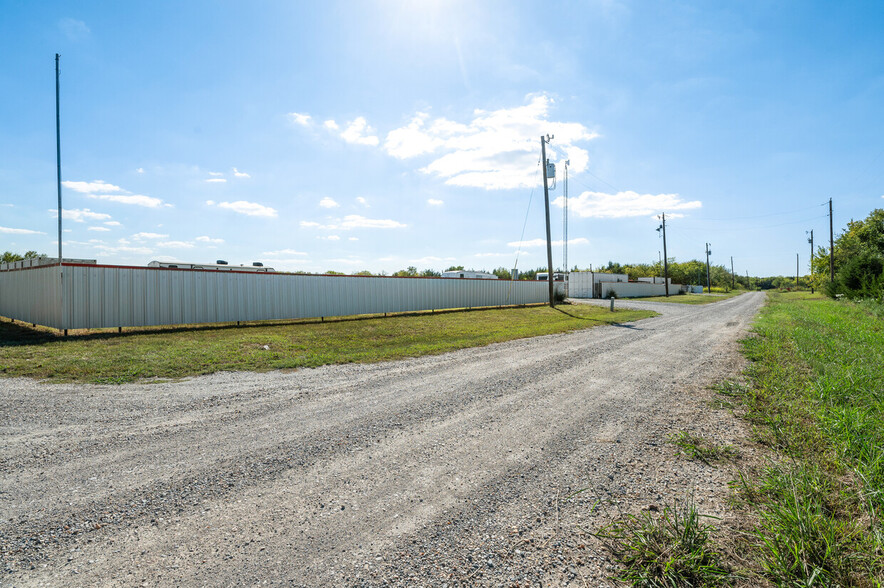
[
  {"x": 58, "y": 154},
  {"x": 665, "y": 258},
  {"x": 61, "y": 313},
  {"x": 811, "y": 260},
  {"x": 708, "y": 282},
  {"x": 796, "y": 271},
  {"x": 565, "y": 223},
  {"x": 733, "y": 276},
  {"x": 831, "y": 246},
  {"x": 544, "y": 163},
  {"x": 748, "y": 281}
]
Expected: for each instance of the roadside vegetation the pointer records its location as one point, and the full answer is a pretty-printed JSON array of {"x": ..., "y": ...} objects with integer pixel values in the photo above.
[
  {"x": 673, "y": 549},
  {"x": 167, "y": 353},
  {"x": 811, "y": 511},
  {"x": 815, "y": 399}
]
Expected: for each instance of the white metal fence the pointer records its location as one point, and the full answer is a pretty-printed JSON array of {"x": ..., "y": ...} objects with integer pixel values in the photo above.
[{"x": 95, "y": 296}]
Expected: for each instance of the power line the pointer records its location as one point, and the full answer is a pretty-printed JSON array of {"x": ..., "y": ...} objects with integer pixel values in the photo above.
[
  {"x": 525, "y": 224},
  {"x": 733, "y": 218}
]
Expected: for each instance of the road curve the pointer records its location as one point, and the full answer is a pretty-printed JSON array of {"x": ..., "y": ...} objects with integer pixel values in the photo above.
[{"x": 458, "y": 468}]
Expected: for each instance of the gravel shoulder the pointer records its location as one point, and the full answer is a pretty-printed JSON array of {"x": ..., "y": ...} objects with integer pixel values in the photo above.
[{"x": 460, "y": 468}]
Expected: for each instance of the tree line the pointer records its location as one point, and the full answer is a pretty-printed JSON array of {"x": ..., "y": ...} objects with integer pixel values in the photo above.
[{"x": 858, "y": 260}]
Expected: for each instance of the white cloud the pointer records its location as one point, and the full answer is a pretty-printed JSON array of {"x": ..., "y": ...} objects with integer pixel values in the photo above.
[
  {"x": 101, "y": 190},
  {"x": 300, "y": 119},
  {"x": 359, "y": 133},
  {"x": 113, "y": 224},
  {"x": 216, "y": 180},
  {"x": 210, "y": 202},
  {"x": 624, "y": 204},
  {"x": 206, "y": 239},
  {"x": 140, "y": 170},
  {"x": 542, "y": 242},
  {"x": 509, "y": 255},
  {"x": 328, "y": 203},
  {"x": 11, "y": 231},
  {"x": 143, "y": 236},
  {"x": 330, "y": 238},
  {"x": 94, "y": 187},
  {"x": 352, "y": 238},
  {"x": 412, "y": 139},
  {"x": 330, "y": 124},
  {"x": 279, "y": 252},
  {"x": 74, "y": 30},
  {"x": 108, "y": 250},
  {"x": 136, "y": 199},
  {"x": 354, "y": 221},
  {"x": 362, "y": 201},
  {"x": 431, "y": 259},
  {"x": 98, "y": 229},
  {"x": 175, "y": 244},
  {"x": 216, "y": 174},
  {"x": 81, "y": 215},
  {"x": 240, "y": 174},
  {"x": 497, "y": 149},
  {"x": 248, "y": 208},
  {"x": 435, "y": 202}
]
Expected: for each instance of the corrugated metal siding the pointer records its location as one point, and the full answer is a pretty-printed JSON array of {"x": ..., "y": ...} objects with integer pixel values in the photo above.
[
  {"x": 105, "y": 296},
  {"x": 32, "y": 295}
]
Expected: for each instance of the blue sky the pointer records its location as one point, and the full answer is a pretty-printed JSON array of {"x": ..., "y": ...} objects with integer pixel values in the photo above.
[{"x": 382, "y": 134}]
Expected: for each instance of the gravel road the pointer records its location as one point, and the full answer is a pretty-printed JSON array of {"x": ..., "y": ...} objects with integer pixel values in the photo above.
[{"x": 457, "y": 469}]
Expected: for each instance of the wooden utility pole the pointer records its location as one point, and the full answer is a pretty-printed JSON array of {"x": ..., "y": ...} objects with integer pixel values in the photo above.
[
  {"x": 748, "y": 281},
  {"x": 796, "y": 271},
  {"x": 831, "y": 246},
  {"x": 565, "y": 223},
  {"x": 665, "y": 257},
  {"x": 543, "y": 164},
  {"x": 733, "y": 276},
  {"x": 811, "y": 260},
  {"x": 708, "y": 281}
]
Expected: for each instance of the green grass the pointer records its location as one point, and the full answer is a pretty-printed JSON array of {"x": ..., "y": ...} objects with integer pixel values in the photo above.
[
  {"x": 670, "y": 550},
  {"x": 815, "y": 397},
  {"x": 692, "y": 298},
  {"x": 169, "y": 353},
  {"x": 698, "y": 448}
]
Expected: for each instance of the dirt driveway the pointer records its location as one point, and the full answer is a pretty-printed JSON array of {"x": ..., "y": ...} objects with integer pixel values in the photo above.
[{"x": 458, "y": 469}]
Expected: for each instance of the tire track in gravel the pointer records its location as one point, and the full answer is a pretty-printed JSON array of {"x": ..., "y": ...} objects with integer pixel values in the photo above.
[{"x": 237, "y": 478}]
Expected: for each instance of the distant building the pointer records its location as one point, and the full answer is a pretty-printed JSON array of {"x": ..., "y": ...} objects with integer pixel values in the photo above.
[
  {"x": 469, "y": 274},
  {"x": 256, "y": 266}
]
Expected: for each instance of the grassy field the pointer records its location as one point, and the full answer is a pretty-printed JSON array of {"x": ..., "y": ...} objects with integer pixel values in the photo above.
[
  {"x": 815, "y": 397},
  {"x": 812, "y": 506},
  {"x": 692, "y": 298},
  {"x": 109, "y": 357}
]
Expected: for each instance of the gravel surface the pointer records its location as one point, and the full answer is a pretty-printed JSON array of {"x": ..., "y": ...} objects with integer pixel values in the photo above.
[{"x": 457, "y": 469}]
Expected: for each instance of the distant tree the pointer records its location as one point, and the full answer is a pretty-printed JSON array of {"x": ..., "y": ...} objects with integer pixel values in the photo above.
[
  {"x": 859, "y": 259},
  {"x": 455, "y": 268},
  {"x": 408, "y": 272},
  {"x": 363, "y": 273},
  {"x": 503, "y": 273},
  {"x": 428, "y": 273},
  {"x": 9, "y": 256},
  {"x": 333, "y": 273}
]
